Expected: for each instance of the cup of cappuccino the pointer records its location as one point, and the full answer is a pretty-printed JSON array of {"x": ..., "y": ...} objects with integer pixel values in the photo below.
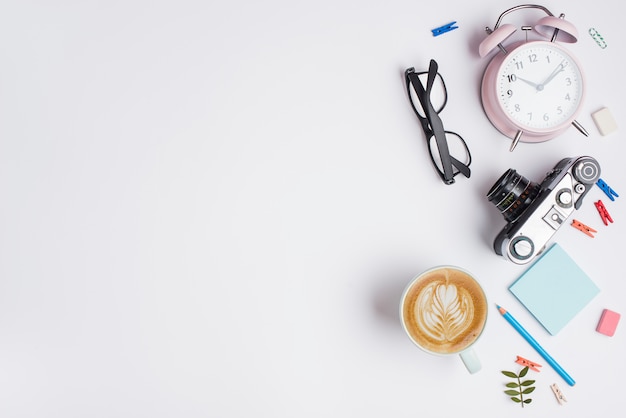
[{"x": 444, "y": 311}]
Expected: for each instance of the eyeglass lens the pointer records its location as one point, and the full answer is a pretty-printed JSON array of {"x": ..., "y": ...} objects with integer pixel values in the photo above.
[
  {"x": 458, "y": 151},
  {"x": 438, "y": 95}
]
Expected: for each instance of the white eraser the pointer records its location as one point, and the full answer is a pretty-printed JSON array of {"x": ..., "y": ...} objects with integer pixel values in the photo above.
[{"x": 604, "y": 121}]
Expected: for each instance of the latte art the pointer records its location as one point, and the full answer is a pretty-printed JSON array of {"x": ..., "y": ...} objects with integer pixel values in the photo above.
[{"x": 444, "y": 311}]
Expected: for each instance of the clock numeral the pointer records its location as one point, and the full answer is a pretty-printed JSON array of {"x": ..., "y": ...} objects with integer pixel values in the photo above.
[
  {"x": 559, "y": 110},
  {"x": 568, "y": 81},
  {"x": 546, "y": 117},
  {"x": 567, "y": 97},
  {"x": 519, "y": 65},
  {"x": 532, "y": 58},
  {"x": 530, "y": 115},
  {"x": 517, "y": 108},
  {"x": 511, "y": 78},
  {"x": 509, "y": 93}
]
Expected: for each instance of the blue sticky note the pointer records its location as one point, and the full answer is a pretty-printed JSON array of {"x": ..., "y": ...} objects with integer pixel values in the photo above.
[{"x": 554, "y": 289}]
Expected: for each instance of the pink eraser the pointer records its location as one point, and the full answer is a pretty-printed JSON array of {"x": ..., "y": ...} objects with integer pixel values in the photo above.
[{"x": 608, "y": 322}]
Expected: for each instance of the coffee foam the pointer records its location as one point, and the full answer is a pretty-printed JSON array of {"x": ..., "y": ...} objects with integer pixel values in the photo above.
[{"x": 444, "y": 311}]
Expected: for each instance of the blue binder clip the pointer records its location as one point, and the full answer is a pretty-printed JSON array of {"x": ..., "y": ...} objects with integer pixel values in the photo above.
[
  {"x": 443, "y": 29},
  {"x": 607, "y": 189}
]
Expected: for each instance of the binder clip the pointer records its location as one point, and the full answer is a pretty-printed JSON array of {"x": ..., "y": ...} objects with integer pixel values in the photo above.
[
  {"x": 525, "y": 362},
  {"x": 607, "y": 189},
  {"x": 557, "y": 392},
  {"x": 443, "y": 29},
  {"x": 584, "y": 228},
  {"x": 604, "y": 214}
]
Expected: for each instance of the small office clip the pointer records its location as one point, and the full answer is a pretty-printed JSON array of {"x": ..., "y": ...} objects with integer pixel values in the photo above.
[
  {"x": 525, "y": 362},
  {"x": 584, "y": 228},
  {"x": 443, "y": 29},
  {"x": 604, "y": 214},
  {"x": 557, "y": 392},
  {"x": 607, "y": 189},
  {"x": 598, "y": 38}
]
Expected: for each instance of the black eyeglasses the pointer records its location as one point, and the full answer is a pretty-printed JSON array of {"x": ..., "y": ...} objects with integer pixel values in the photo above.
[{"x": 448, "y": 150}]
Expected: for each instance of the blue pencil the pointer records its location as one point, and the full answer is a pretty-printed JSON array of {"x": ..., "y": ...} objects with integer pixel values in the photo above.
[{"x": 536, "y": 346}]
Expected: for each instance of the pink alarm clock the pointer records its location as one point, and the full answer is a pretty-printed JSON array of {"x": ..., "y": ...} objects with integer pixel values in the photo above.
[{"x": 532, "y": 91}]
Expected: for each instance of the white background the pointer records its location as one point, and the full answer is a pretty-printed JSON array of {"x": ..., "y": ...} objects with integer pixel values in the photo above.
[{"x": 210, "y": 209}]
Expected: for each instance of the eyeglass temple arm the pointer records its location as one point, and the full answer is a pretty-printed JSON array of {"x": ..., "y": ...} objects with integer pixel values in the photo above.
[
  {"x": 435, "y": 122},
  {"x": 463, "y": 168},
  {"x": 414, "y": 80}
]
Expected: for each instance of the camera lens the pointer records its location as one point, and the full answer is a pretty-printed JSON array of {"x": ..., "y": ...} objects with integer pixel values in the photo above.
[{"x": 512, "y": 194}]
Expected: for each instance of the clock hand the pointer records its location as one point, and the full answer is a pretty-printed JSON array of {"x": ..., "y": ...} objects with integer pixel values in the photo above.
[
  {"x": 557, "y": 70},
  {"x": 530, "y": 83}
]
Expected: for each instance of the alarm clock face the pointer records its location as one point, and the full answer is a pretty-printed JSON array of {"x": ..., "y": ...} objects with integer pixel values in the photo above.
[{"x": 539, "y": 87}]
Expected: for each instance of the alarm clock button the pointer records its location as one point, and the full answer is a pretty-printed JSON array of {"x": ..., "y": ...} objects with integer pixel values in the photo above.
[{"x": 495, "y": 38}]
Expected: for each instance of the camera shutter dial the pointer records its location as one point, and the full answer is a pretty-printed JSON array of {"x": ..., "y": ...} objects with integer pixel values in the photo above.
[
  {"x": 587, "y": 170},
  {"x": 564, "y": 198},
  {"x": 522, "y": 247}
]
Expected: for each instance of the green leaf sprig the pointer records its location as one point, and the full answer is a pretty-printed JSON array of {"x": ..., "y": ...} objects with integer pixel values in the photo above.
[{"x": 520, "y": 388}]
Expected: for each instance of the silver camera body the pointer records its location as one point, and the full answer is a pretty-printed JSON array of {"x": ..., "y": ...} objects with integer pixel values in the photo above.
[{"x": 536, "y": 211}]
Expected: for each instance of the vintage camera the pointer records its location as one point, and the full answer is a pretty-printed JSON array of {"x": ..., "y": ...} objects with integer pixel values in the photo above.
[{"x": 535, "y": 212}]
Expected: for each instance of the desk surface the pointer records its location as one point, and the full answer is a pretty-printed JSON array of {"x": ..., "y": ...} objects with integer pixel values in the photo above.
[{"x": 212, "y": 210}]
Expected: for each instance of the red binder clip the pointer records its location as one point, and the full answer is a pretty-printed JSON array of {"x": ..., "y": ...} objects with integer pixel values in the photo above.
[
  {"x": 531, "y": 365},
  {"x": 584, "y": 228},
  {"x": 604, "y": 214}
]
